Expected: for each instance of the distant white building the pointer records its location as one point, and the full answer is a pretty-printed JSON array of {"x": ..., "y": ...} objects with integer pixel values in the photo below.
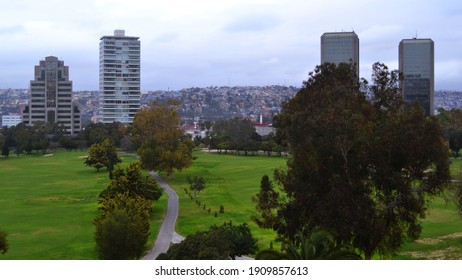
[
  {"x": 11, "y": 120},
  {"x": 119, "y": 77}
]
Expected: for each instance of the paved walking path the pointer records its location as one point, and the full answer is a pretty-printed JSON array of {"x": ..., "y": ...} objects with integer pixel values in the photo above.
[{"x": 167, "y": 232}]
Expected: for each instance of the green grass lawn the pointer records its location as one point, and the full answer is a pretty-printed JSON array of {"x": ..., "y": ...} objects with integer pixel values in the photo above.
[
  {"x": 231, "y": 181},
  {"x": 47, "y": 204}
]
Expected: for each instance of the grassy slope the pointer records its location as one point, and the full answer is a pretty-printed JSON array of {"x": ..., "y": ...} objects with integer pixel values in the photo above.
[
  {"x": 47, "y": 205},
  {"x": 231, "y": 181},
  {"x": 441, "y": 236}
]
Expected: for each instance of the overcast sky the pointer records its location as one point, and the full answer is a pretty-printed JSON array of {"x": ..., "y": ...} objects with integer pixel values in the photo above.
[{"x": 222, "y": 43}]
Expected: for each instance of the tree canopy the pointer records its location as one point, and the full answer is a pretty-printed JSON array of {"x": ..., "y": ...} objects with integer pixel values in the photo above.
[
  {"x": 218, "y": 243},
  {"x": 102, "y": 155},
  {"x": 132, "y": 182},
  {"x": 362, "y": 167},
  {"x": 122, "y": 228},
  {"x": 161, "y": 144},
  {"x": 234, "y": 134}
]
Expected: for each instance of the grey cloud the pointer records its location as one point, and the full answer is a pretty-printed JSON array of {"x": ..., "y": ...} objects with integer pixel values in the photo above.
[
  {"x": 252, "y": 22},
  {"x": 12, "y": 29}
]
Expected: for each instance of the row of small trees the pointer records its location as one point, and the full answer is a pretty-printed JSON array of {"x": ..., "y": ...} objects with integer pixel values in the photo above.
[{"x": 239, "y": 135}]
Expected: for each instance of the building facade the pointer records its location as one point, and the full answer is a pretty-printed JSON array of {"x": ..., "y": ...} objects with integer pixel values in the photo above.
[
  {"x": 119, "y": 77},
  {"x": 11, "y": 120},
  {"x": 340, "y": 47},
  {"x": 51, "y": 97},
  {"x": 417, "y": 64}
]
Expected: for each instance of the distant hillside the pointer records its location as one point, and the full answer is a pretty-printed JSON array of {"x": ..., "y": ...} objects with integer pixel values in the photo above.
[{"x": 211, "y": 103}]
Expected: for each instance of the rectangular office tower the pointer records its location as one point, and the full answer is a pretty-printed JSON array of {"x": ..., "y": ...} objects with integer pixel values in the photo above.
[
  {"x": 51, "y": 97},
  {"x": 119, "y": 77},
  {"x": 340, "y": 47},
  {"x": 416, "y": 62}
]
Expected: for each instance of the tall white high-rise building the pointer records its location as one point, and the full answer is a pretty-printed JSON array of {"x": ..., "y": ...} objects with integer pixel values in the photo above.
[
  {"x": 417, "y": 63},
  {"x": 340, "y": 47},
  {"x": 51, "y": 97},
  {"x": 119, "y": 77}
]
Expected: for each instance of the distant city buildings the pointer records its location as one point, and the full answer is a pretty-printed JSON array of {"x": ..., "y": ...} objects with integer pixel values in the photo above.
[
  {"x": 340, "y": 47},
  {"x": 51, "y": 97},
  {"x": 11, "y": 120},
  {"x": 119, "y": 77},
  {"x": 416, "y": 62}
]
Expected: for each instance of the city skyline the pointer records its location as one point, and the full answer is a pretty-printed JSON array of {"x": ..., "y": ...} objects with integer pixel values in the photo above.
[{"x": 225, "y": 43}]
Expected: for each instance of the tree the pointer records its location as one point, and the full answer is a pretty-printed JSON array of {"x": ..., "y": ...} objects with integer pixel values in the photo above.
[
  {"x": 237, "y": 133},
  {"x": 361, "y": 168},
  {"x": 3, "y": 242},
  {"x": 267, "y": 201},
  {"x": 41, "y": 132},
  {"x": 102, "y": 155},
  {"x": 122, "y": 229},
  {"x": 161, "y": 144},
  {"x": 451, "y": 121},
  {"x": 240, "y": 237},
  {"x": 218, "y": 243},
  {"x": 132, "y": 182},
  {"x": 68, "y": 143},
  {"x": 196, "y": 185}
]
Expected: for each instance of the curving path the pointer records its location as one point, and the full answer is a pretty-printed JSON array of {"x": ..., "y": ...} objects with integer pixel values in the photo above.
[{"x": 167, "y": 232}]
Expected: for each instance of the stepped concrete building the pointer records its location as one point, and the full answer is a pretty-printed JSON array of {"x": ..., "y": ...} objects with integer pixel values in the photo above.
[
  {"x": 119, "y": 77},
  {"x": 340, "y": 47},
  {"x": 417, "y": 63},
  {"x": 51, "y": 97}
]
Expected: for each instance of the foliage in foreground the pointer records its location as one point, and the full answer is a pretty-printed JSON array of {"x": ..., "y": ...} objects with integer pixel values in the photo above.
[
  {"x": 363, "y": 169},
  {"x": 316, "y": 244},
  {"x": 218, "y": 243}
]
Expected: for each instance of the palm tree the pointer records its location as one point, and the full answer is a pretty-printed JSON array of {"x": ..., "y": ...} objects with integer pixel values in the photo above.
[{"x": 316, "y": 244}]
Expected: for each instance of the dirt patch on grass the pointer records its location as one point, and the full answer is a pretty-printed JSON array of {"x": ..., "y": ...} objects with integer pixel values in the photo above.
[
  {"x": 431, "y": 241},
  {"x": 44, "y": 231},
  {"x": 449, "y": 253},
  {"x": 54, "y": 198}
]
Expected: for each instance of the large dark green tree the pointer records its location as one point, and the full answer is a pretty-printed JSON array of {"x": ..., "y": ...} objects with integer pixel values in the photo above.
[{"x": 361, "y": 168}]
